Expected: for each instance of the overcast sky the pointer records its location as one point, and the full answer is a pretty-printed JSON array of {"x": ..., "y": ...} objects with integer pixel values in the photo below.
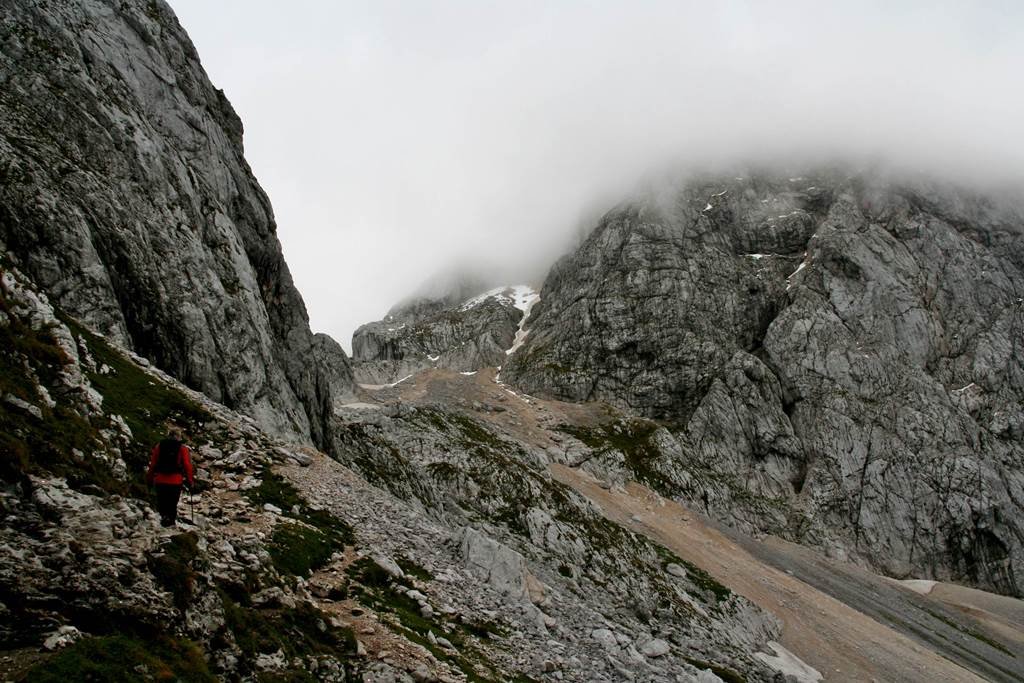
[{"x": 397, "y": 138}]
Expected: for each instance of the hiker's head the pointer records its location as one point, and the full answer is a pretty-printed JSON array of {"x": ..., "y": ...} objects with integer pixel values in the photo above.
[{"x": 175, "y": 433}]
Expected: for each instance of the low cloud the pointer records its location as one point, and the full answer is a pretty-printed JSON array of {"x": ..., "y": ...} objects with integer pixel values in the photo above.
[{"x": 397, "y": 138}]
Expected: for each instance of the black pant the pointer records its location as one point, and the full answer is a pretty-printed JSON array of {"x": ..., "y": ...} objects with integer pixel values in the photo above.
[{"x": 167, "y": 503}]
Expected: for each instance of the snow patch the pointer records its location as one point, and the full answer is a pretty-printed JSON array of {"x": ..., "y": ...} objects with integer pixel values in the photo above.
[
  {"x": 377, "y": 387},
  {"x": 525, "y": 298},
  {"x": 788, "y": 664},
  {"x": 468, "y": 374},
  {"x": 707, "y": 208},
  {"x": 757, "y": 257},
  {"x": 922, "y": 586},
  {"x": 433, "y": 358},
  {"x": 789, "y": 280},
  {"x": 496, "y": 293}
]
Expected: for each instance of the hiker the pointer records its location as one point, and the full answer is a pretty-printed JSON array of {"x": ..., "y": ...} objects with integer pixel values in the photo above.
[{"x": 170, "y": 466}]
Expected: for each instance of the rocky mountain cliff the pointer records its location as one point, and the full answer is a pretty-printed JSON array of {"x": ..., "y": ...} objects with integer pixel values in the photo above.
[
  {"x": 454, "y": 330},
  {"x": 834, "y": 357},
  {"x": 125, "y": 195}
]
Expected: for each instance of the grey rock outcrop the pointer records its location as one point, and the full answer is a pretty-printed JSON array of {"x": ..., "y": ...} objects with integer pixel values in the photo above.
[
  {"x": 500, "y": 566},
  {"x": 836, "y": 357},
  {"x": 464, "y": 335},
  {"x": 125, "y": 195}
]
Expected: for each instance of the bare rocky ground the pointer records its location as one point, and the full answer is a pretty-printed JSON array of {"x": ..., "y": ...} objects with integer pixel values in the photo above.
[
  {"x": 291, "y": 566},
  {"x": 846, "y": 623}
]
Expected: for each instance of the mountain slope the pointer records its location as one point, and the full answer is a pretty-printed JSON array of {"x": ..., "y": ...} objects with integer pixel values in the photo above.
[
  {"x": 296, "y": 567},
  {"x": 835, "y": 357},
  {"x": 124, "y": 194}
]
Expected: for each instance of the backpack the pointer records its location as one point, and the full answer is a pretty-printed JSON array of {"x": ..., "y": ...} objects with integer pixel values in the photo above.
[{"x": 167, "y": 460}]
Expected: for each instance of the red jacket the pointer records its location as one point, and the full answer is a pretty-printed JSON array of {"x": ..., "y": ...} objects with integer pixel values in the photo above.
[{"x": 175, "y": 478}]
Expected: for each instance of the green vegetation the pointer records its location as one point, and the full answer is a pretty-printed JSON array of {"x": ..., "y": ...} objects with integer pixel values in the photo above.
[
  {"x": 700, "y": 578},
  {"x": 60, "y": 440},
  {"x": 299, "y": 548},
  {"x": 146, "y": 404},
  {"x": 122, "y": 658},
  {"x": 298, "y": 632},
  {"x": 172, "y": 567},
  {"x": 469, "y": 433},
  {"x": 631, "y": 438},
  {"x": 413, "y": 569},
  {"x": 275, "y": 490}
]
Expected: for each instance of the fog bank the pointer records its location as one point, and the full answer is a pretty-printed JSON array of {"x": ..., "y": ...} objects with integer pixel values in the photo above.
[{"x": 397, "y": 138}]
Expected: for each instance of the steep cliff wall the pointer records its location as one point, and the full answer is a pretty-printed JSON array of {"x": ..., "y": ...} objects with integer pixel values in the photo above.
[
  {"x": 125, "y": 194},
  {"x": 837, "y": 358}
]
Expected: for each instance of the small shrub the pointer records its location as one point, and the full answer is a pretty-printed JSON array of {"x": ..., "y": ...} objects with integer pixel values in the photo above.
[
  {"x": 124, "y": 659},
  {"x": 413, "y": 569},
  {"x": 298, "y": 632},
  {"x": 172, "y": 567},
  {"x": 298, "y": 549}
]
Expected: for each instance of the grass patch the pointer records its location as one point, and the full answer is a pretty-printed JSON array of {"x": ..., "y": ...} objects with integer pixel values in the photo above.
[
  {"x": 59, "y": 441},
  {"x": 700, "y": 578},
  {"x": 634, "y": 439},
  {"x": 146, "y": 404},
  {"x": 124, "y": 659},
  {"x": 172, "y": 567},
  {"x": 469, "y": 433},
  {"x": 298, "y": 632},
  {"x": 377, "y": 589},
  {"x": 298, "y": 549},
  {"x": 413, "y": 569},
  {"x": 275, "y": 490},
  {"x": 62, "y": 442}
]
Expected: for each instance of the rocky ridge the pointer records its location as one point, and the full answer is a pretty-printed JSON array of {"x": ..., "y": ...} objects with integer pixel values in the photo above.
[
  {"x": 831, "y": 357},
  {"x": 463, "y": 334},
  {"x": 124, "y": 194}
]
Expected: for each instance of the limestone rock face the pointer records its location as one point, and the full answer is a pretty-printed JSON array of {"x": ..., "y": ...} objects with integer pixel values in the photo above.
[
  {"x": 460, "y": 334},
  {"x": 834, "y": 351},
  {"x": 125, "y": 195}
]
